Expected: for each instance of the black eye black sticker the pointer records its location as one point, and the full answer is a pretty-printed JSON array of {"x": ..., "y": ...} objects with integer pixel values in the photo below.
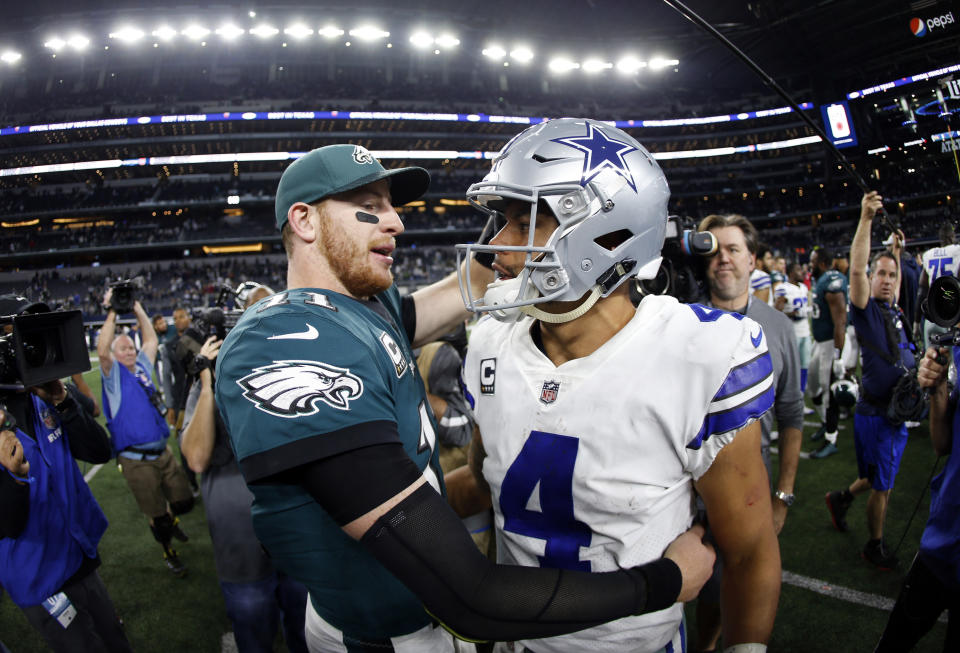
[{"x": 367, "y": 217}]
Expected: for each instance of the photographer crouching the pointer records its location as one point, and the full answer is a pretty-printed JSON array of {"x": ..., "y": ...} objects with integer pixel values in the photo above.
[
  {"x": 256, "y": 595},
  {"x": 136, "y": 418},
  {"x": 50, "y": 524}
]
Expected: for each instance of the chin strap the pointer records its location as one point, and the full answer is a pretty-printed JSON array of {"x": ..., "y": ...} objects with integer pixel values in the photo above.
[{"x": 537, "y": 313}]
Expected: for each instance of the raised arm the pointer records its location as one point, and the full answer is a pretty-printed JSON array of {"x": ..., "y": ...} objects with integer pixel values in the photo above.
[
  {"x": 736, "y": 492},
  {"x": 440, "y": 306},
  {"x": 106, "y": 336},
  {"x": 148, "y": 336},
  {"x": 200, "y": 434},
  {"x": 860, "y": 250}
]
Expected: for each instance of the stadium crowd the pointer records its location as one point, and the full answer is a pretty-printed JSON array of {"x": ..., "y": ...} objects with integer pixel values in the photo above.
[{"x": 826, "y": 292}]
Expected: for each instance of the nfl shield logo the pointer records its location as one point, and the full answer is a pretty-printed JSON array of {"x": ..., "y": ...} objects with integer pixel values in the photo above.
[{"x": 548, "y": 393}]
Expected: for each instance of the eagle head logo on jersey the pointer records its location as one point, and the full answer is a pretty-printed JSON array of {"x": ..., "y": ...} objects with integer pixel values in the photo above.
[{"x": 292, "y": 388}]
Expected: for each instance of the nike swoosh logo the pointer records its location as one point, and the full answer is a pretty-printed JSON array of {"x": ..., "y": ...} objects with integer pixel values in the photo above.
[
  {"x": 310, "y": 334},
  {"x": 755, "y": 339}
]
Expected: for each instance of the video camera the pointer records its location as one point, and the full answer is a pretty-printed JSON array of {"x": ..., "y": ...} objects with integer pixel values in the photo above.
[
  {"x": 39, "y": 345},
  {"x": 125, "y": 294},
  {"x": 681, "y": 274},
  {"x": 942, "y": 307},
  {"x": 216, "y": 321}
]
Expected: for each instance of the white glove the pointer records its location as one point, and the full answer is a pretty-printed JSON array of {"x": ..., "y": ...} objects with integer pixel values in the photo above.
[{"x": 838, "y": 370}]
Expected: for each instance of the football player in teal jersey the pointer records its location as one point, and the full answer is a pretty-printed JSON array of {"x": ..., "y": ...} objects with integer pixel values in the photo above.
[
  {"x": 828, "y": 322},
  {"x": 329, "y": 421}
]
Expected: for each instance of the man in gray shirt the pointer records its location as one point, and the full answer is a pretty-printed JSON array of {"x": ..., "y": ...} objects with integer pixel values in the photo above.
[
  {"x": 728, "y": 279},
  {"x": 257, "y": 596}
]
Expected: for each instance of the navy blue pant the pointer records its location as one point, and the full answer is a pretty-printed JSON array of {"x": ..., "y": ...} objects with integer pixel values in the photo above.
[{"x": 257, "y": 608}]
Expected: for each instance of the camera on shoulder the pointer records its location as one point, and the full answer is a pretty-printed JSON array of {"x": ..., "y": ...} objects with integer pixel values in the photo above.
[
  {"x": 215, "y": 321},
  {"x": 681, "y": 274},
  {"x": 39, "y": 345},
  {"x": 942, "y": 307}
]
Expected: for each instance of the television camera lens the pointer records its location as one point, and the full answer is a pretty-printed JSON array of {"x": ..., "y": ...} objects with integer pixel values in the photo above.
[{"x": 942, "y": 306}]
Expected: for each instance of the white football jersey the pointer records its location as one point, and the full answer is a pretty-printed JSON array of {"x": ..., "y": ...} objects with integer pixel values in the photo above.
[
  {"x": 941, "y": 261},
  {"x": 591, "y": 464},
  {"x": 760, "y": 280},
  {"x": 798, "y": 299}
]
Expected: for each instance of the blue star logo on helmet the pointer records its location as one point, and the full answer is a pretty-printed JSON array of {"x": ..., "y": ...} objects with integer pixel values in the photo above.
[{"x": 601, "y": 153}]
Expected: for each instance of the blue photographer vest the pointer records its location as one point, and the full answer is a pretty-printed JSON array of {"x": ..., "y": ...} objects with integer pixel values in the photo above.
[
  {"x": 136, "y": 422},
  {"x": 65, "y": 523}
]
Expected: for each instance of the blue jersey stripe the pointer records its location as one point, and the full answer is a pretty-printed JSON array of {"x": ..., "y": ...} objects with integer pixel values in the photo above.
[
  {"x": 760, "y": 282},
  {"x": 733, "y": 418},
  {"x": 745, "y": 375}
]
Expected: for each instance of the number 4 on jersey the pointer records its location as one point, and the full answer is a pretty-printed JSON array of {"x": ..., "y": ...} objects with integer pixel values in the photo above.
[{"x": 546, "y": 463}]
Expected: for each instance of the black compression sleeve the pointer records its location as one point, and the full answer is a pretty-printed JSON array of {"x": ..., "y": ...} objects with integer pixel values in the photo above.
[
  {"x": 408, "y": 313},
  {"x": 422, "y": 542},
  {"x": 355, "y": 482}
]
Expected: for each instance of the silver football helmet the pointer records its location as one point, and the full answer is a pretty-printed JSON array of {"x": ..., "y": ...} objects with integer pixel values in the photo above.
[{"x": 609, "y": 197}]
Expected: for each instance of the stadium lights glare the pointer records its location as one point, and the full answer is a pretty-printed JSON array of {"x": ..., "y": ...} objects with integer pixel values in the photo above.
[
  {"x": 56, "y": 44},
  {"x": 659, "y": 63},
  {"x": 264, "y": 31},
  {"x": 447, "y": 41},
  {"x": 330, "y": 31},
  {"x": 629, "y": 64},
  {"x": 229, "y": 32},
  {"x": 78, "y": 42},
  {"x": 368, "y": 33},
  {"x": 298, "y": 31},
  {"x": 127, "y": 34},
  {"x": 522, "y": 54},
  {"x": 164, "y": 33},
  {"x": 596, "y": 65},
  {"x": 195, "y": 32},
  {"x": 562, "y": 65},
  {"x": 421, "y": 40},
  {"x": 494, "y": 51},
  {"x": 10, "y": 57}
]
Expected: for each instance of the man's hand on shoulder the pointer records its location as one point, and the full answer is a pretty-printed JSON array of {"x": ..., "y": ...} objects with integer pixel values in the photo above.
[{"x": 695, "y": 559}]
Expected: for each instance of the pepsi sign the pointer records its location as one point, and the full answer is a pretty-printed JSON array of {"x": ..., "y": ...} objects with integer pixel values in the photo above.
[
  {"x": 922, "y": 26},
  {"x": 836, "y": 118}
]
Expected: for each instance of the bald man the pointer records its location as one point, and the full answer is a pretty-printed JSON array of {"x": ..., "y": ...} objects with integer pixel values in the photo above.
[{"x": 135, "y": 416}]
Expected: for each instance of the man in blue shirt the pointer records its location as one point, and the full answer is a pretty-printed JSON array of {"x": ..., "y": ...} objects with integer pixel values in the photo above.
[
  {"x": 887, "y": 355},
  {"x": 50, "y": 524},
  {"x": 135, "y": 417},
  {"x": 933, "y": 582}
]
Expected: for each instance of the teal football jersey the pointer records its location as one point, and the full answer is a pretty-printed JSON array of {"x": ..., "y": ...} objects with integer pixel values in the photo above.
[
  {"x": 304, "y": 375},
  {"x": 821, "y": 322}
]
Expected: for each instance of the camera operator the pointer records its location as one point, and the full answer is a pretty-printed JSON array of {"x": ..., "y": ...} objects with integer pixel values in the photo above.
[
  {"x": 135, "y": 417},
  {"x": 933, "y": 582},
  {"x": 50, "y": 524},
  {"x": 729, "y": 276},
  {"x": 173, "y": 377},
  {"x": 256, "y": 595},
  {"x": 888, "y": 356}
]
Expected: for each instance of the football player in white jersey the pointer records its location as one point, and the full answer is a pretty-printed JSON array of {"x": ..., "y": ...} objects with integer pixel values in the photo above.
[
  {"x": 793, "y": 298},
  {"x": 598, "y": 422},
  {"x": 761, "y": 281}
]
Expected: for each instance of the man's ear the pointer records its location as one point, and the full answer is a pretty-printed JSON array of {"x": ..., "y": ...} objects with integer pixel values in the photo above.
[
  {"x": 753, "y": 262},
  {"x": 302, "y": 220}
]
